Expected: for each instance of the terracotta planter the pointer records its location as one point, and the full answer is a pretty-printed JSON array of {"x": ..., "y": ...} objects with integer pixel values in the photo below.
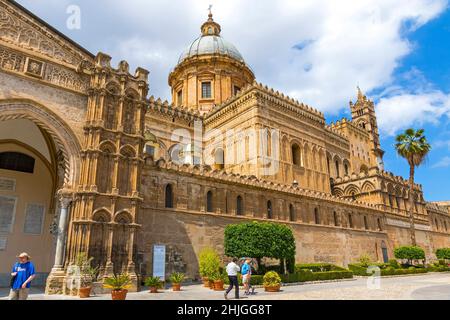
[
  {"x": 274, "y": 288},
  {"x": 211, "y": 284},
  {"x": 153, "y": 289},
  {"x": 176, "y": 286},
  {"x": 205, "y": 282},
  {"x": 85, "y": 292},
  {"x": 218, "y": 285},
  {"x": 119, "y": 294}
]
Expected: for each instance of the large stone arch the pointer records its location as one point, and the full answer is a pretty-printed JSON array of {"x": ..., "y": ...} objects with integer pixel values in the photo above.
[{"x": 57, "y": 129}]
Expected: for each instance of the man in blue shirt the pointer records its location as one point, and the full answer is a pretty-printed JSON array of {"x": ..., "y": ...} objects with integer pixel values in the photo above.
[
  {"x": 23, "y": 273},
  {"x": 246, "y": 272}
]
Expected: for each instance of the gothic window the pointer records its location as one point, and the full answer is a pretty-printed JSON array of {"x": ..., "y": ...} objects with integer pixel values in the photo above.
[
  {"x": 337, "y": 168},
  {"x": 445, "y": 225},
  {"x": 291, "y": 213},
  {"x": 209, "y": 202},
  {"x": 239, "y": 206},
  {"x": 346, "y": 169},
  {"x": 180, "y": 97},
  {"x": 336, "y": 222},
  {"x": 380, "y": 228},
  {"x": 16, "y": 161},
  {"x": 128, "y": 123},
  {"x": 169, "y": 196},
  {"x": 206, "y": 90},
  {"x": 316, "y": 216},
  {"x": 328, "y": 166},
  {"x": 436, "y": 223},
  {"x": 105, "y": 170},
  {"x": 110, "y": 113},
  {"x": 366, "y": 224},
  {"x": 296, "y": 154},
  {"x": 269, "y": 210},
  {"x": 219, "y": 158}
]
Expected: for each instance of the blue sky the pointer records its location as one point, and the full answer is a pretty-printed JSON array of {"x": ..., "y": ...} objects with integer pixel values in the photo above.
[{"x": 316, "y": 51}]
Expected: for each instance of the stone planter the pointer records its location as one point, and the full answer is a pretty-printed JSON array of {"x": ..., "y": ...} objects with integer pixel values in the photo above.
[
  {"x": 119, "y": 294},
  {"x": 274, "y": 288},
  {"x": 85, "y": 292}
]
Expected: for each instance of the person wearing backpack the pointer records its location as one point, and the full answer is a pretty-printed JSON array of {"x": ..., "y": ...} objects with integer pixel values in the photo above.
[{"x": 22, "y": 274}]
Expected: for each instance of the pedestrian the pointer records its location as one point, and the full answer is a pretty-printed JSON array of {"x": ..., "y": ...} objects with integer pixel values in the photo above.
[
  {"x": 246, "y": 272},
  {"x": 232, "y": 271},
  {"x": 21, "y": 276}
]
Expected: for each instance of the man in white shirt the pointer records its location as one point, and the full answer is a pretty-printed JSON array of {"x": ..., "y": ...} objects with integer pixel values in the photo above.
[{"x": 232, "y": 270}]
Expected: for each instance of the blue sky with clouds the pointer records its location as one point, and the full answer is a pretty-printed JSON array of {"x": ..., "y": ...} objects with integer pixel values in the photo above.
[{"x": 317, "y": 51}]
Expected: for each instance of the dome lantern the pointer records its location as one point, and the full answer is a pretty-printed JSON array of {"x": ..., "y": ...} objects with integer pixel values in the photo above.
[{"x": 210, "y": 27}]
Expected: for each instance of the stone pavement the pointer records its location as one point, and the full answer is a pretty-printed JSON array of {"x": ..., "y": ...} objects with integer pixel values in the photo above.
[{"x": 423, "y": 287}]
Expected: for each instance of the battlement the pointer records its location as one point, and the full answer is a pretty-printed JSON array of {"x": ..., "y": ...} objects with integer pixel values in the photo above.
[{"x": 165, "y": 107}]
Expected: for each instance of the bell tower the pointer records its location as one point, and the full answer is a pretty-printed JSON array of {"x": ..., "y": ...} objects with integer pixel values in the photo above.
[{"x": 363, "y": 115}]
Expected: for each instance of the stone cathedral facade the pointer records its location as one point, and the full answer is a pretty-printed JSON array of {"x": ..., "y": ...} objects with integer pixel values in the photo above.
[{"x": 90, "y": 162}]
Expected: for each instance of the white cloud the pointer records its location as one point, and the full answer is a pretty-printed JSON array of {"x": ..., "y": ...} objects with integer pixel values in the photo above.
[
  {"x": 345, "y": 42},
  {"x": 403, "y": 110},
  {"x": 443, "y": 163}
]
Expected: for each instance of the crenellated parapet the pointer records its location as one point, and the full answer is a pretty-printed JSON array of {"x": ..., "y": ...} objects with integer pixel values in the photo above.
[{"x": 171, "y": 110}]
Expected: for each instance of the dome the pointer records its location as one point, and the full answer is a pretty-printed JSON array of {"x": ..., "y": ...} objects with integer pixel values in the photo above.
[{"x": 211, "y": 44}]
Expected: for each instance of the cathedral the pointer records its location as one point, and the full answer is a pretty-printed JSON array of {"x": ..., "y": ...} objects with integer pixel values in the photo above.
[{"x": 91, "y": 163}]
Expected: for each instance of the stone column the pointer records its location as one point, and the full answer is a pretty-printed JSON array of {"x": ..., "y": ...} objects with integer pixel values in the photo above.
[{"x": 56, "y": 278}]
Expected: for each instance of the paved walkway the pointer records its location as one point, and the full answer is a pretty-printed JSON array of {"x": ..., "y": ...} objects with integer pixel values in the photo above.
[{"x": 422, "y": 287}]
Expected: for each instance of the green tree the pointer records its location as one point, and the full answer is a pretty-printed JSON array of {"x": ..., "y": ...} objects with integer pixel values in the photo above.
[
  {"x": 409, "y": 253},
  {"x": 259, "y": 240},
  {"x": 443, "y": 253},
  {"x": 413, "y": 146}
]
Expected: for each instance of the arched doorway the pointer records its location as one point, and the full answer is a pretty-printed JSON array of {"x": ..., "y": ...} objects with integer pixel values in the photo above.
[
  {"x": 384, "y": 251},
  {"x": 40, "y": 156}
]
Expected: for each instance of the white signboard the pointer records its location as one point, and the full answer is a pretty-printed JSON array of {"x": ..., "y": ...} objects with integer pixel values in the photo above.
[
  {"x": 7, "y": 210},
  {"x": 159, "y": 261},
  {"x": 7, "y": 184}
]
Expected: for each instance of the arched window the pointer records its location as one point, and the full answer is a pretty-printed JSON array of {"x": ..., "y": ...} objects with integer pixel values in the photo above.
[
  {"x": 209, "y": 202},
  {"x": 366, "y": 224},
  {"x": 445, "y": 225},
  {"x": 239, "y": 206},
  {"x": 16, "y": 161},
  {"x": 316, "y": 216},
  {"x": 269, "y": 210},
  {"x": 436, "y": 223},
  {"x": 296, "y": 154},
  {"x": 350, "y": 220},
  {"x": 328, "y": 166},
  {"x": 336, "y": 221},
  {"x": 169, "y": 196},
  {"x": 219, "y": 158},
  {"x": 346, "y": 169},
  {"x": 380, "y": 227},
  {"x": 291, "y": 212}
]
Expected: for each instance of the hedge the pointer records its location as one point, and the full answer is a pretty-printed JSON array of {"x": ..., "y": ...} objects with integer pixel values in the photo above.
[
  {"x": 388, "y": 271},
  {"x": 306, "y": 275}
]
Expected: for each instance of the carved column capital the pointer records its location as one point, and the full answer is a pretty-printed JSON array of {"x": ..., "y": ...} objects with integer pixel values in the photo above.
[{"x": 65, "y": 197}]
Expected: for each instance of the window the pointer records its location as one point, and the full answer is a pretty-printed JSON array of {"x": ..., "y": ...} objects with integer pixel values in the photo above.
[
  {"x": 34, "y": 218},
  {"x": 316, "y": 216},
  {"x": 206, "y": 90},
  {"x": 336, "y": 222},
  {"x": 219, "y": 158},
  {"x": 366, "y": 224},
  {"x": 239, "y": 206},
  {"x": 346, "y": 169},
  {"x": 149, "y": 149},
  {"x": 236, "y": 90},
  {"x": 291, "y": 213},
  {"x": 269, "y": 210},
  {"x": 180, "y": 97},
  {"x": 380, "y": 228},
  {"x": 350, "y": 221},
  {"x": 209, "y": 202},
  {"x": 169, "y": 196},
  {"x": 337, "y": 168},
  {"x": 7, "y": 211},
  {"x": 17, "y": 162},
  {"x": 296, "y": 155}
]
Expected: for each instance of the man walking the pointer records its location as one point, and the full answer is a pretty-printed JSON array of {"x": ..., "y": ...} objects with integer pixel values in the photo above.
[
  {"x": 246, "y": 276},
  {"x": 232, "y": 270},
  {"x": 22, "y": 274}
]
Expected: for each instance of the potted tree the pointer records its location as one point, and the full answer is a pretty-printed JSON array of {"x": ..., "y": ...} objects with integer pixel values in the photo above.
[
  {"x": 272, "y": 282},
  {"x": 209, "y": 263},
  {"x": 119, "y": 285},
  {"x": 176, "y": 279},
  {"x": 154, "y": 283},
  {"x": 88, "y": 274}
]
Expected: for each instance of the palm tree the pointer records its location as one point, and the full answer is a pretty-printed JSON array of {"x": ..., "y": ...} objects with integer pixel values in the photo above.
[{"x": 413, "y": 146}]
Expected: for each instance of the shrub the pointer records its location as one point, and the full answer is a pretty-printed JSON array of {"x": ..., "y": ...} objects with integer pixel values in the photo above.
[
  {"x": 177, "y": 277},
  {"x": 117, "y": 282},
  {"x": 154, "y": 282},
  {"x": 394, "y": 264},
  {"x": 359, "y": 270},
  {"x": 443, "y": 253},
  {"x": 271, "y": 279},
  {"x": 208, "y": 262},
  {"x": 365, "y": 260},
  {"x": 306, "y": 275},
  {"x": 409, "y": 253},
  {"x": 314, "y": 267}
]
